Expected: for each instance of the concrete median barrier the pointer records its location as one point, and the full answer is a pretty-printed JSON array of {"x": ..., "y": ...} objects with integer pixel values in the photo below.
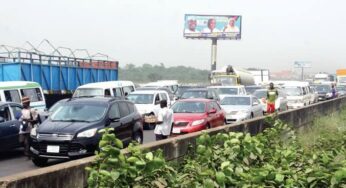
[{"x": 72, "y": 173}]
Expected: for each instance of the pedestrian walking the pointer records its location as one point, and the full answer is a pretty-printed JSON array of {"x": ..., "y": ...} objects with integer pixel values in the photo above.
[
  {"x": 272, "y": 95},
  {"x": 164, "y": 121},
  {"x": 29, "y": 120}
]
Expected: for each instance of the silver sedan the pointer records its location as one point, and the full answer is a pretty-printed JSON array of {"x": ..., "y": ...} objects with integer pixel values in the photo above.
[{"x": 241, "y": 107}]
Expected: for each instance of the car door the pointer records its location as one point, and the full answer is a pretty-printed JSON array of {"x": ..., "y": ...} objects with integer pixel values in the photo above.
[
  {"x": 114, "y": 116},
  {"x": 9, "y": 128},
  {"x": 164, "y": 96},
  {"x": 211, "y": 116},
  {"x": 256, "y": 107},
  {"x": 219, "y": 115},
  {"x": 126, "y": 122}
]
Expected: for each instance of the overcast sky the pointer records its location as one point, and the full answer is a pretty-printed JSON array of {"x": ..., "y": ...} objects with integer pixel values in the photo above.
[{"x": 274, "y": 33}]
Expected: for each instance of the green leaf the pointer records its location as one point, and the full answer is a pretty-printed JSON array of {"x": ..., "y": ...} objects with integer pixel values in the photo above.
[
  {"x": 225, "y": 164},
  {"x": 149, "y": 156},
  {"x": 115, "y": 175},
  {"x": 279, "y": 178}
]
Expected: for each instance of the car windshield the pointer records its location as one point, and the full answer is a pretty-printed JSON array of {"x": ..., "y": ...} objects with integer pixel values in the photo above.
[
  {"x": 260, "y": 94},
  {"x": 341, "y": 88},
  {"x": 251, "y": 90},
  {"x": 243, "y": 101},
  {"x": 293, "y": 91},
  {"x": 227, "y": 91},
  {"x": 323, "y": 88},
  {"x": 194, "y": 94},
  {"x": 79, "y": 112},
  {"x": 85, "y": 92},
  {"x": 342, "y": 79},
  {"x": 141, "y": 98},
  {"x": 55, "y": 106},
  {"x": 188, "y": 107}
]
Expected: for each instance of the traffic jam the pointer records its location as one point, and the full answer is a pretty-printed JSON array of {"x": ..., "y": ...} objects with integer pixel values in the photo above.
[{"x": 69, "y": 129}]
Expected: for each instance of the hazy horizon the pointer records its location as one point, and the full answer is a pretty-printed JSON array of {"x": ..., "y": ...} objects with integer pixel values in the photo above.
[{"x": 275, "y": 34}]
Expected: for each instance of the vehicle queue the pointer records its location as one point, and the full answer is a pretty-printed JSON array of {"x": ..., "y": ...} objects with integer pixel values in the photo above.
[{"x": 69, "y": 129}]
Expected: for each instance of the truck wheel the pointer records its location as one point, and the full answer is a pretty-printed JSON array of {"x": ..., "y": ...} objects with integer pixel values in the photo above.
[{"x": 39, "y": 161}]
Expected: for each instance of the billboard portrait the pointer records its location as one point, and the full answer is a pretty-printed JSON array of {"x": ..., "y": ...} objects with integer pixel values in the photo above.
[{"x": 212, "y": 26}]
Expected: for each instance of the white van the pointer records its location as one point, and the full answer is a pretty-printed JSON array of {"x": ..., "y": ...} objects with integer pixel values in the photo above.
[
  {"x": 14, "y": 91},
  {"x": 110, "y": 88},
  {"x": 148, "y": 103},
  {"x": 171, "y": 84},
  {"x": 298, "y": 94}
]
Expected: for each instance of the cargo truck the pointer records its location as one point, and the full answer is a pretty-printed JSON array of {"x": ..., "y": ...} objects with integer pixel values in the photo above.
[
  {"x": 341, "y": 77},
  {"x": 229, "y": 75}
]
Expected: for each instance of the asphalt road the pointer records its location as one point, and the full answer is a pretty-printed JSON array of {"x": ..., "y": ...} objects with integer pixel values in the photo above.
[{"x": 13, "y": 162}]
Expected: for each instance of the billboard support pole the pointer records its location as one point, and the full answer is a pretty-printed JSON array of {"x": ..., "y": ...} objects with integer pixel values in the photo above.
[{"x": 213, "y": 54}]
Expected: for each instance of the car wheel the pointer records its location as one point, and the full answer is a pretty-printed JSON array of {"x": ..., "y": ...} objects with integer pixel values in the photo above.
[
  {"x": 138, "y": 137},
  {"x": 251, "y": 116},
  {"x": 39, "y": 161},
  {"x": 208, "y": 126},
  {"x": 224, "y": 122}
]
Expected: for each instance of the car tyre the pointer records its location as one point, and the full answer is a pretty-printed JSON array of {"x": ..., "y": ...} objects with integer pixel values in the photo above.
[
  {"x": 251, "y": 116},
  {"x": 208, "y": 126},
  {"x": 138, "y": 137},
  {"x": 39, "y": 161}
]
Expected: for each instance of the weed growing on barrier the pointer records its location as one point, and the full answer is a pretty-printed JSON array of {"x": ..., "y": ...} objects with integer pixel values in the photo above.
[{"x": 273, "y": 158}]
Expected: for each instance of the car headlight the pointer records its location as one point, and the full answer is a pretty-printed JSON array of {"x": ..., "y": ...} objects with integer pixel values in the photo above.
[
  {"x": 33, "y": 132},
  {"x": 329, "y": 94},
  {"x": 88, "y": 133},
  {"x": 198, "y": 122}
]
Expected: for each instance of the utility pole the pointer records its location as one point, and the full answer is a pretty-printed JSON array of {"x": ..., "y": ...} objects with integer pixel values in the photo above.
[{"x": 213, "y": 54}]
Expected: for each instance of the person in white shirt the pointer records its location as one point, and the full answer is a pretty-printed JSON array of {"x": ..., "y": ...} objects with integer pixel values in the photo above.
[
  {"x": 231, "y": 27},
  {"x": 164, "y": 121},
  {"x": 192, "y": 26},
  {"x": 211, "y": 27}
]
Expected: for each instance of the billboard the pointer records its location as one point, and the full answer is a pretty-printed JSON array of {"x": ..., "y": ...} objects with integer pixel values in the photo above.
[{"x": 212, "y": 26}]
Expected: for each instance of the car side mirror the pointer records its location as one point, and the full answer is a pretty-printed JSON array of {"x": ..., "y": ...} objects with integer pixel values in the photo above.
[
  {"x": 2, "y": 120},
  {"x": 212, "y": 111}
]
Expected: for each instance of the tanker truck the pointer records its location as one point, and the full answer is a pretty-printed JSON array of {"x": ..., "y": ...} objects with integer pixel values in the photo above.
[{"x": 229, "y": 75}]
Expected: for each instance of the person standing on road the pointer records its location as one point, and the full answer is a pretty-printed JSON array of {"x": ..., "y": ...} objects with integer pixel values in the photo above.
[
  {"x": 333, "y": 91},
  {"x": 164, "y": 121},
  {"x": 28, "y": 119},
  {"x": 272, "y": 95}
]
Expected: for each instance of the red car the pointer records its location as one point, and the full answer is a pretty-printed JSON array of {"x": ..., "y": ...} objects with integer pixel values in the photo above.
[{"x": 191, "y": 115}]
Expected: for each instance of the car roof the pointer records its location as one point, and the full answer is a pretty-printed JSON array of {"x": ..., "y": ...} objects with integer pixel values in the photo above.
[
  {"x": 20, "y": 84},
  {"x": 195, "y": 100},
  {"x": 97, "y": 99},
  {"x": 148, "y": 91},
  {"x": 196, "y": 89},
  {"x": 237, "y": 86},
  {"x": 237, "y": 96},
  {"x": 107, "y": 84}
]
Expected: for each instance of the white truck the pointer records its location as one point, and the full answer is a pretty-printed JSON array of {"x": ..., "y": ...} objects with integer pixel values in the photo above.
[
  {"x": 323, "y": 78},
  {"x": 261, "y": 76}
]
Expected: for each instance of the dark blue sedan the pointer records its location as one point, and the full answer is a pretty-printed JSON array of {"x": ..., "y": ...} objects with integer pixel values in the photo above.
[{"x": 9, "y": 125}]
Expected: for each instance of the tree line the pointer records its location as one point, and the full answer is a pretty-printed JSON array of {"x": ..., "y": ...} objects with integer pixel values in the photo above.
[{"x": 150, "y": 73}]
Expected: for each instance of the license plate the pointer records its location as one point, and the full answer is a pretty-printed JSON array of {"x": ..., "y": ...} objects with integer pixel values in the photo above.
[
  {"x": 176, "y": 130},
  {"x": 53, "y": 149}
]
